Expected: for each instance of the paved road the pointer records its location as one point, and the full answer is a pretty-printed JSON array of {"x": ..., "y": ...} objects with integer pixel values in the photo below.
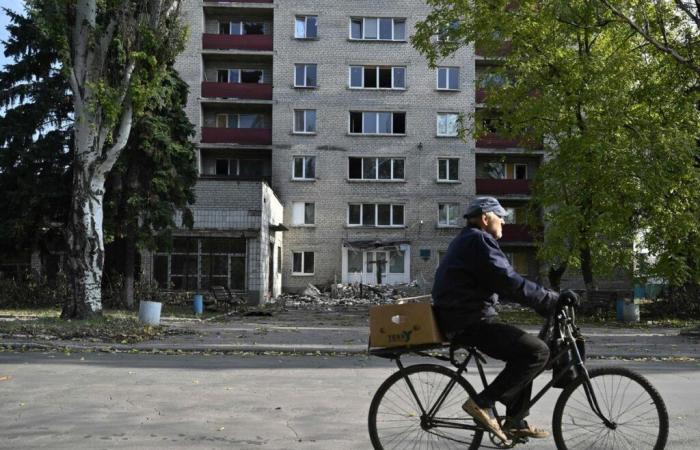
[{"x": 101, "y": 400}]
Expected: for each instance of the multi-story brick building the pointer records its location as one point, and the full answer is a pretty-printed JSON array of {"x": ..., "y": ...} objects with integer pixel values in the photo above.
[{"x": 328, "y": 149}]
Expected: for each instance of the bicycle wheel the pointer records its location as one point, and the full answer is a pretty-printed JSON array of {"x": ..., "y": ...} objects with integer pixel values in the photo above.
[
  {"x": 396, "y": 420},
  {"x": 625, "y": 398}
]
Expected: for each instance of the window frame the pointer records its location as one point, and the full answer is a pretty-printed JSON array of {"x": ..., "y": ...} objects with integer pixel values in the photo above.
[
  {"x": 447, "y": 78},
  {"x": 303, "y": 260},
  {"x": 449, "y": 206},
  {"x": 392, "y": 221},
  {"x": 393, "y": 160},
  {"x": 376, "y": 123},
  {"x": 306, "y": 27},
  {"x": 294, "y": 122},
  {"x": 364, "y": 28},
  {"x": 377, "y": 68},
  {"x": 306, "y": 66},
  {"x": 437, "y": 124},
  {"x": 449, "y": 160},
  {"x": 305, "y": 207},
  {"x": 303, "y": 177}
]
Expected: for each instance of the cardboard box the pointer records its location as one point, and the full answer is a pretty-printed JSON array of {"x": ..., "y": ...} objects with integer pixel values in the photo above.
[{"x": 406, "y": 325}]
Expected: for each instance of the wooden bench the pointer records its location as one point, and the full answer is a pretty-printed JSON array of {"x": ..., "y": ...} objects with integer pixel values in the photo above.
[{"x": 231, "y": 300}]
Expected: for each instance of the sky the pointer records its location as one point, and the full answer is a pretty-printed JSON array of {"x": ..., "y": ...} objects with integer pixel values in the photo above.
[{"x": 14, "y": 5}]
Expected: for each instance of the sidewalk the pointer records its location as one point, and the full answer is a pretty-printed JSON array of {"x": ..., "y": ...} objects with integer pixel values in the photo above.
[{"x": 345, "y": 331}]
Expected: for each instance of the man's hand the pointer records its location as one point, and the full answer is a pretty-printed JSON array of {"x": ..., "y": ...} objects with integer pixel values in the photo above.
[
  {"x": 569, "y": 298},
  {"x": 547, "y": 305}
]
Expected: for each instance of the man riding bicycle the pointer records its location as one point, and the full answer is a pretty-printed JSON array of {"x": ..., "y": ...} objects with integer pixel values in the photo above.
[{"x": 468, "y": 283}]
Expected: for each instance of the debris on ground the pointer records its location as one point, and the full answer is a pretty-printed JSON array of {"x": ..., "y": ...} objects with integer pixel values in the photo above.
[{"x": 350, "y": 294}]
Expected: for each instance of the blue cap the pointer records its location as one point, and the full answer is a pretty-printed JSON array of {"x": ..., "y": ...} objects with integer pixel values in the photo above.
[{"x": 483, "y": 205}]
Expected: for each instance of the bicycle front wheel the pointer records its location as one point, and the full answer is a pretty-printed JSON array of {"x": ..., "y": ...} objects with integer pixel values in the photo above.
[
  {"x": 626, "y": 398},
  {"x": 397, "y": 421}
]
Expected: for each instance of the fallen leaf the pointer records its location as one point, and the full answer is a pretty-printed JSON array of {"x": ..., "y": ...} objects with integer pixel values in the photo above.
[
  {"x": 5, "y": 378},
  {"x": 221, "y": 428}
]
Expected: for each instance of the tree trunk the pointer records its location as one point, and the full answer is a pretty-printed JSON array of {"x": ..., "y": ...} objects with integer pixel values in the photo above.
[
  {"x": 555, "y": 274},
  {"x": 587, "y": 270},
  {"x": 85, "y": 245},
  {"x": 129, "y": 263}
]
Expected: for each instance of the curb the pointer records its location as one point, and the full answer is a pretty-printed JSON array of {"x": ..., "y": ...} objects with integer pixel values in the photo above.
[{"x": 290, "y": 349}]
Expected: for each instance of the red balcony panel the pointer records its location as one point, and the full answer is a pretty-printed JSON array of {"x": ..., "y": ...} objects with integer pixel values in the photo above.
[
  {"x": 239, "y": 1},
  {"x": 500, "y": 52},
  {"x": 257, "y": 42},
  {"x": 252, "y": 91},
  {"x": 515, "y": 232},
  {"x": 492, "y": 140},
  {"x": 480, "y": 95},
  {"x": 491, "y": 186},
  {"x": 245, "y": 136}
]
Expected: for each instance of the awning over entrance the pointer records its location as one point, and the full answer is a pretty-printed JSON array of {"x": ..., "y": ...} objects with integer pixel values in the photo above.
[{"x": 375, "y": 244}]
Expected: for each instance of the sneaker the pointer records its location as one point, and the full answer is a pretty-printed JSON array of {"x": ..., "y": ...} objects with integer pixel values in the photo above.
[
  {"x": 524, "y": 430},
  {"x": 483, "y": 417}
]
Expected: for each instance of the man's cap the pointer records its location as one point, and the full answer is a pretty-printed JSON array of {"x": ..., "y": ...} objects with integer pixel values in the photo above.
[{"x": 483, "y": 205}]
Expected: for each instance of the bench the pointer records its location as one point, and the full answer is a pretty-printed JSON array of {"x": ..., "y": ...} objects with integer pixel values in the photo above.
[{"x": 231, "y": 300}]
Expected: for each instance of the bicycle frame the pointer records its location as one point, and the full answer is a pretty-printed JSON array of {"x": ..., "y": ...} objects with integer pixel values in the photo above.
[{"x": 564, "y": 320}]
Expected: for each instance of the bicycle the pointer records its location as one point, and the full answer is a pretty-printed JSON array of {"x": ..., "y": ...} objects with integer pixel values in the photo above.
[{"x": 419, "y": 406}]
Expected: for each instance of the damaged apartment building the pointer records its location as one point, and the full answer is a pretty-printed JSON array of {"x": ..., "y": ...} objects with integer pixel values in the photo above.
[{"x": 328, "y": 149}]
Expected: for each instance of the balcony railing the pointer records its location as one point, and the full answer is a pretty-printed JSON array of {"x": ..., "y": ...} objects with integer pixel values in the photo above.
[
  {"x": 244, "y": 136},
  {"x": 489, "y": 186},
  {"x": 492, "y": 140},
  {"x": 480, "y": 95},
  {"x": 265, "y": 178},
  {"x": 515, "y": 232},
  {"x": 239, "y": 1},
  {"x": 255, "y": 42},
  {"x": 499, "y": 52},
  {"x": 249, "y": 91}
]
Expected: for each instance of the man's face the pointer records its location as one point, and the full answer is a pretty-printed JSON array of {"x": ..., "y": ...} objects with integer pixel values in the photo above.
[{"x": 493, "y": 225}]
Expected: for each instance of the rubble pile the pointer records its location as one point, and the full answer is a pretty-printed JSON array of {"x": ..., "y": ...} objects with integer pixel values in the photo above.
[{"x": 352, "y": 294}]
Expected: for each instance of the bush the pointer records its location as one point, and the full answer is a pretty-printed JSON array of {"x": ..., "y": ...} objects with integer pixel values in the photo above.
[{"x": 30, "y": 291}]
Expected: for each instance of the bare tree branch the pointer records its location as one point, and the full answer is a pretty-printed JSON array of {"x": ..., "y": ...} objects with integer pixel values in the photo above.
[
  {"x": 685, "y": 8},
  {"x": 111, "y": 154}
]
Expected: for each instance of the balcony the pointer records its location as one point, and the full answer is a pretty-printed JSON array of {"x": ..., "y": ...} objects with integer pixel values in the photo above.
[
  {"x": 243, "y": 136},
  {"x": 515, "y": 232},
  {"x": 480, "y": 95},
  {"x": 493, "y": 53},
  {"x": 252, "y": 42},
  {"x": 490, "y": 186},
  {"x": 492, "y": 140},
  {"x": 247, "y": 91},
  {"x": 266, "y": 178}
]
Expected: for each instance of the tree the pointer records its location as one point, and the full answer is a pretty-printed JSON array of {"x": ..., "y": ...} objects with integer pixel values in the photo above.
[
  {"x": 618, "y": 126},
  {"x": 35, "y": 139},
  {"x": 114, "y": 55},
  {"x": 153, "y": 178}
]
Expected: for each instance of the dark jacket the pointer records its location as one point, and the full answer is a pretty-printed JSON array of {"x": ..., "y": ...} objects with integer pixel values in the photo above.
[{"x": 472, "y": 276}]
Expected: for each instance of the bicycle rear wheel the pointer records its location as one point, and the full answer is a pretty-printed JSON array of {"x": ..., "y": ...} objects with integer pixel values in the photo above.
[
  {"x": 625, "y": 398},
  {"x": 396, "y": 421}
]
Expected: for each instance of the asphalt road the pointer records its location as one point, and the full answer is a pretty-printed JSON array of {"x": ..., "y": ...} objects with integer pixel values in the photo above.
[{"x": 101, "y": 400}]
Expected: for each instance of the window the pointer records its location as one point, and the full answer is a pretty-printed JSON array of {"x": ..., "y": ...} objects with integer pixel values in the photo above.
[
  {"x": 305, "y": 75},
  {"x": 448, "y": 214},
  {"x": 304, "y": 168},
  {"x": 252, "y": 168},
  {"x": 238, "y": 28},
  {"x": 239, "y": 76},
  {"x": 440, "y": 255},
  {"x": 447, "y": 124},
  {"x": 354, "y": 261},
  {"x": 303, "y": 263},
  {"x": 448, "y": 78},
  {"x": 396, "y": 262},
  {"x": 519, "y": 261},
  {"x": 375, "y": 168},
  {"x": 306, "y": 27},
  {"x": 240, "y": 121},
  {"x": 199, "y": 263},
  {"x": 376, "y": 215},
  {"x": 448, "y": 169},
  {"x": 222, "y": 167},
  {"x": 303, "y": 213},
  {"x": 378, "y": 28},
  {"x": 279, "y": 259},
  {"x": 304, "y": 120},
  {"x": 377, "y": 77},
  {"x": 377, "y": 122},
  {"x": 506, "y": 171}
]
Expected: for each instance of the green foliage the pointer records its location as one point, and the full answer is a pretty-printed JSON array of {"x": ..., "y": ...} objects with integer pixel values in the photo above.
[
  {"x": 32, "y": 292},
  {"x": 35, "y": 140},
  {"x": 618, "y": 125}
]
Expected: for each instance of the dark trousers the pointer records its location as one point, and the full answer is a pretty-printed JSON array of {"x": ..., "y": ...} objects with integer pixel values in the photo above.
[{"x": 525, "y": 355}]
